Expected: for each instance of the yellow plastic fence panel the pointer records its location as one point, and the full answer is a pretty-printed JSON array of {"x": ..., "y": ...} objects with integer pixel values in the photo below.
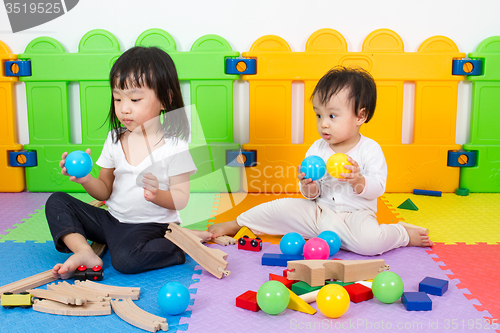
[
  {"x": 420, "y": 164},
  {"x": 11, "y": 178}
]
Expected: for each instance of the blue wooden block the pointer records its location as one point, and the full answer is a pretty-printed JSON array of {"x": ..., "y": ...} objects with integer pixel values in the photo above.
[
  {"x": 416, "y": 301},
  {"x": 433, "y": 286},
  {"x": 427, "y": 192},
  {"x": 273, "y": 259}
]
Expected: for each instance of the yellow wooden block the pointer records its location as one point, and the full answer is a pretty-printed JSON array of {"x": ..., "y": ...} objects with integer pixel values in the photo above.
[
  {"x": 244, "y": 232},
  {"x": 298, "y": 304}
]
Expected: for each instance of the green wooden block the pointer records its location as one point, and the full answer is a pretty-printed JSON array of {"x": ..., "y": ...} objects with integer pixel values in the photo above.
[
  {"x": 408, "y": 204},
  {"x": 302, "y": 287}
]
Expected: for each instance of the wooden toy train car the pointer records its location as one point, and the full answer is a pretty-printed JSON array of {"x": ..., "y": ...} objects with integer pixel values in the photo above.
[
  {"x": 9, "y": 300},
  {"x": 83, "y": 273},
  {"x": 250, "y": 244}
]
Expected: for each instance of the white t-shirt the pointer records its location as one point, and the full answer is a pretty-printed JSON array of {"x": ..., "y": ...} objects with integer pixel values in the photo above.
[
  {"x": 340, "y": 196},
  {"x": 127, "y": 203}
]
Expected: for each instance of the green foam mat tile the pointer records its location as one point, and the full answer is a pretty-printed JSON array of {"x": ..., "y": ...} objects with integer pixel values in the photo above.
[
  {"x": 198, "y": 210},
  {"x": 35, "y": 227}
]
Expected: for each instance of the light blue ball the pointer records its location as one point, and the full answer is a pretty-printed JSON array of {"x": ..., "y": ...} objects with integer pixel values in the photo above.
[
  {"x": 292, "y": 243},
  {"x": 314, "y": 167},
  {"x": 332, "y": 239},
  {"x": 78, "y": 163},
  {"x": 173, "y": 298}
]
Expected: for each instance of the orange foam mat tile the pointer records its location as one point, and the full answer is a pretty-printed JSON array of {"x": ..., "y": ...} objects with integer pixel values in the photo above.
[
  {"x": 477, "y": 267},
  {"x": 228, "y": 206}
]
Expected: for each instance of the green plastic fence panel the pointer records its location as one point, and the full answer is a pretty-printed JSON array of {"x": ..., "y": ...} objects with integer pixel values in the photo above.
[
  {"x": 48, "y": 111},
  {"x": 48, "y": 106},
  {"x": 485, "y": 120}
]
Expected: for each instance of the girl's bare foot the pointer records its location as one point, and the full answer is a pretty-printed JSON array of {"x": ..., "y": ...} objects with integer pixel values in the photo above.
[
  {"x": 204, "y": 235},
  {"x": 418, "y": 236},
  {"x": 84, "y": 257},
  {"x": 226, "y": 228}
]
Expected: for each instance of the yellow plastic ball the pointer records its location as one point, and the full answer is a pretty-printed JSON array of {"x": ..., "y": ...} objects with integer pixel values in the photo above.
[
  {"x": 335, "y": 165},
  {"x": 333, "y": 300}
]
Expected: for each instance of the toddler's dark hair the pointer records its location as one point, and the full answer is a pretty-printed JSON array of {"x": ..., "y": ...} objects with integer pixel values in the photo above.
[
  {"x": 155, "y": 69},
  {"x": 362, "y": 88}
]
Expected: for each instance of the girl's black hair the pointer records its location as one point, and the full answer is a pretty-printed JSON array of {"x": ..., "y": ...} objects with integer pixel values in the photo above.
[
  {"x": 362, "y": 88},
  {"x": 155, "y": 69}
]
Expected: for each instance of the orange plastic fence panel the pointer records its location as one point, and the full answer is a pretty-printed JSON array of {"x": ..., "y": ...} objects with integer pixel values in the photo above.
[
  {"x": 11, "y": 178},
  {"x": 384, "y": 57}
]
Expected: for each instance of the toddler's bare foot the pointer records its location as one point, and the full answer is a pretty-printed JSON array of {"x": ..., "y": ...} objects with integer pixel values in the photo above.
[
  {"x": 67, "y": 270},
  {"x": 418, "y": 236},
  {"x": 226, "y": 228},
  {"x": 204, "y": 235}
]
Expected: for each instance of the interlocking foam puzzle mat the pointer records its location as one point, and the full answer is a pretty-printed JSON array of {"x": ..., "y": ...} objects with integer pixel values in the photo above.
[{"x": 467, "y": 254}]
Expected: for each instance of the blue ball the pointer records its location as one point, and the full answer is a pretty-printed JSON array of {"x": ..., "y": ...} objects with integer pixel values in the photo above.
[
  {"x": 78, "y": 163},
  {"x": 292, "y": 243},
  {"x": 314, "y": 167},
  {"x": 173, "y": 298},
  {"x": 332, "y": 239}
]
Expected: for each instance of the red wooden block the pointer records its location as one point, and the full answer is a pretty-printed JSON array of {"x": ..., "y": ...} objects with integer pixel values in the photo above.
[
  {"x": 282, "y": 279},
  {"x": 358, "y": 293},
  {"x": 248, "y": 301}
]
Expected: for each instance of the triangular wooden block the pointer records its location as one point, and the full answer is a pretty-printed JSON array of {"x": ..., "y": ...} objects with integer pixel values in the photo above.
[
  {"x": 244, "y": 231},
  {"x": 298, "y": 304},
  {"x": 408, "y": 204}
]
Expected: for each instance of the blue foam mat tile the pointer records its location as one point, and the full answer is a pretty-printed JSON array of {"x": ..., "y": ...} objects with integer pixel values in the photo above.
[{"x": 21, "y": 260}]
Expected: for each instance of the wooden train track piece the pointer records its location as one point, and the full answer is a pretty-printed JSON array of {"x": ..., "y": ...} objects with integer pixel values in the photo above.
[
  {"x": 315, "y": 272},
  {"x": 66, "y": 288},
  {"x": 28, "y": 283},
  {"x": 96, "y": 203},
  {"x": 224, "y": 240},
  {"x": 56, "y": 296},
  {"x": 110, "y": 291},
  {"x": 132, "y": 314},
  {"x": 213, "y": 260},
  {"x": 88, "y": 309}
]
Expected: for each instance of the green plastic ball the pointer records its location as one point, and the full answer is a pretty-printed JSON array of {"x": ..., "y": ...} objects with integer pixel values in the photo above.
[
  {"x": 387, "y": 287},
  {"x": 273, "y": 297}
]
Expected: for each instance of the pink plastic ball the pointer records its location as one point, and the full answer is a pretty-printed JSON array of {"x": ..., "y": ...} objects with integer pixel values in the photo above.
[{"x": 316, "y": 249}]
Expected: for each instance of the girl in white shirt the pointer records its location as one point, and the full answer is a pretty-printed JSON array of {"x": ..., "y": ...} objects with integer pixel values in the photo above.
[
  {"x": 343, "y": 100},
  {"x": 144, "y": 177}
]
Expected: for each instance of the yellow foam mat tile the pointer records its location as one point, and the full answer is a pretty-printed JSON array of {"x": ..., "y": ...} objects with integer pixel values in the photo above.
[{"x": 451, "y": 218}]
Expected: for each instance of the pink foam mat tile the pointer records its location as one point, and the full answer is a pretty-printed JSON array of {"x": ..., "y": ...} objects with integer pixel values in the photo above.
[
  {"x": 14, "y": 207},
  {"x": 214, "y": 307}
]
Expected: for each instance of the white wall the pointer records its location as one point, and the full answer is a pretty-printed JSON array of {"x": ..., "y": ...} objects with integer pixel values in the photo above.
[{"x": 467, "y": 23}]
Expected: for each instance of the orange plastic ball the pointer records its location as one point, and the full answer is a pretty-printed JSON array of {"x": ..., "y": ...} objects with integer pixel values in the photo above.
[{"x": 335, "y": 165}]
